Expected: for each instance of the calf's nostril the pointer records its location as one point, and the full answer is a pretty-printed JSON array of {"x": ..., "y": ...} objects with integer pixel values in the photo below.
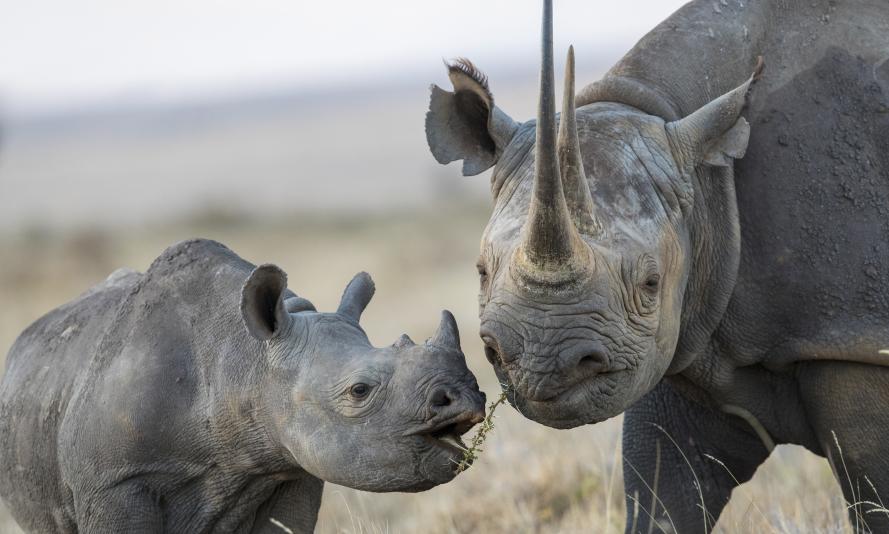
[{"x": 441, "y": 398}]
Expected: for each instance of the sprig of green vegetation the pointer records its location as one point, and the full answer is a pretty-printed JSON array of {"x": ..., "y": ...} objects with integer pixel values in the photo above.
[{"x": 475, "y": 446}]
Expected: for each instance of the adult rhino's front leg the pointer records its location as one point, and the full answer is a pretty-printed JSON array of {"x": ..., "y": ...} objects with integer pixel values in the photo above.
[
  {"x": 670, "y": 474},
  {"x": 848, "y": 407}
]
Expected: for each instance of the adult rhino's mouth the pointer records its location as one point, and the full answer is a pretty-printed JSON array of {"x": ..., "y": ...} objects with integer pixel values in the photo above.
[{"x": 588, "y": 401}]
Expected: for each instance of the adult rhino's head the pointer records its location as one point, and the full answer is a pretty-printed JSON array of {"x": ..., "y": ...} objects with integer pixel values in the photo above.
[
  {"x": 585, "y": 261},
  {"x": 377, "y": 419}
]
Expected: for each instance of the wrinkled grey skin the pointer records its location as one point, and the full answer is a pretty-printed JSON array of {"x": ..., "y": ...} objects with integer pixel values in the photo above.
[
  {"x": 726, "y": 301},
  {"x": 188, "y": 400}
]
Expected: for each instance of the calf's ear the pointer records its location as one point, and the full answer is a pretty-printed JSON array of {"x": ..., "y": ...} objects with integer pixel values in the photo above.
[
  {"x": 715, "y": 134},
  {"x": 357, "y": 296},
  {"x": 465, "y": 124},
  {"x": 262, "y": 302}
]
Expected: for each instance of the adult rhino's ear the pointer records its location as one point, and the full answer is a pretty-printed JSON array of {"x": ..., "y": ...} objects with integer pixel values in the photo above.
[
  {"x": 465, "y": 124},
  {"x": 715, "y": 134},
  {"x": 262, "y": 302}
]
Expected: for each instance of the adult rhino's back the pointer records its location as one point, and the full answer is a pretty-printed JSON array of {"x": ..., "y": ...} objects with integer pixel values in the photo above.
[
  {"x": 43, "y": 369},
  {"x": 705, "y": 50}
]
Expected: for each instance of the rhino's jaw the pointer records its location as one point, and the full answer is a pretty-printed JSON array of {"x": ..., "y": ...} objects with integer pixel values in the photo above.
[
  {"x": 448, "y": 435},
  {"x": 589, "y": 401},
  {"x": 442, "y": 444}
]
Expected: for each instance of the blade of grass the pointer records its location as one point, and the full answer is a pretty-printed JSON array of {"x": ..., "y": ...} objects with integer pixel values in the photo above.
[{"x": 475, "y": 446}]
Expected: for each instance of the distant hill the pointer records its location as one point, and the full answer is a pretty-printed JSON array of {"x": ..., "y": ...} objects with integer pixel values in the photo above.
[{"x": 350, "y": 148}]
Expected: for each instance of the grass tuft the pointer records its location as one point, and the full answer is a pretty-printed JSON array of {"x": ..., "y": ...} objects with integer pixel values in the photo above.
[{"x": 475, "y": 446}]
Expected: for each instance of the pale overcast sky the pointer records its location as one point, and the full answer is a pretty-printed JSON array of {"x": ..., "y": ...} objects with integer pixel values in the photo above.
[{"x": 63, "y": 52}]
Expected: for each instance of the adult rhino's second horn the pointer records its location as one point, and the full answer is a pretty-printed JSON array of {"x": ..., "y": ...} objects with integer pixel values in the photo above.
[
  {"x": 551, "y": 243},
  {"x": 574, "y": 181}
]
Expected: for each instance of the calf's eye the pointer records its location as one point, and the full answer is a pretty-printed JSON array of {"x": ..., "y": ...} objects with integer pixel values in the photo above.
[
  {"x": 359, "y": 391},
  {"x": 653, "y": 282}
]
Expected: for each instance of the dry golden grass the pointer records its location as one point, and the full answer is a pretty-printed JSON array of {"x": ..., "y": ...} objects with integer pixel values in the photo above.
[{"x": 529, "y": 478}]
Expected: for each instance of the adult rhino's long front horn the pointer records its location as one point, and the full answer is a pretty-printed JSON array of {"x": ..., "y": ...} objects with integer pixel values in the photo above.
[{"x": 551, "y": 242}]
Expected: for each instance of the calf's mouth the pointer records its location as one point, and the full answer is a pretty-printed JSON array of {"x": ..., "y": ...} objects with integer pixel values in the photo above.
[{"x": 447, "y": 434}]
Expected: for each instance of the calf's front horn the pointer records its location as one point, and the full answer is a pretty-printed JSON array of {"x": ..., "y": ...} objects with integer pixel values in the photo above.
[{"x": 447, "y": 334}]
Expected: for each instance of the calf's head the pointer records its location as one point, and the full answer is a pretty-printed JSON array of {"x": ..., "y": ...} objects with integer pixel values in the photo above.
[
  {"x": 377, "y": 419},
  {"x": 585, "y": 260}
]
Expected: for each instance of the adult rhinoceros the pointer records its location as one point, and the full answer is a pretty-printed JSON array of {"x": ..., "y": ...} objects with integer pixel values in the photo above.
[{"x": 634, "y": 262}]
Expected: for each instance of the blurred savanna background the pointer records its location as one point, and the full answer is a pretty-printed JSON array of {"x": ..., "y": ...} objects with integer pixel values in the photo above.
[{"x": 293, "y": 132}]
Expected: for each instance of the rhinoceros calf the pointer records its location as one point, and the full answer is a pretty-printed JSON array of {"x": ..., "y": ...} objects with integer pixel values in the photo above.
[
  {"x": 203, "y": 396},
  {"x": 635, "y": 262}
]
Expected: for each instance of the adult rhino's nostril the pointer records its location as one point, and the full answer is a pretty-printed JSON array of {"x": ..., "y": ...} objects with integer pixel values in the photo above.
[
  {"x": 492, "y": 355},
  {"x": 588, "y": 360},
  {"x": 591, "y": 360}
]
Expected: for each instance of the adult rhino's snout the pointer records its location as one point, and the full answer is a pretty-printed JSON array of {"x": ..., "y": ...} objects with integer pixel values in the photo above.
[{"x": 548, "y": 369}]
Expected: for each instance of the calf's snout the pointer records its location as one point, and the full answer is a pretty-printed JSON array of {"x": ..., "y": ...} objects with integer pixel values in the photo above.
[{"x": 447, "y": 402}]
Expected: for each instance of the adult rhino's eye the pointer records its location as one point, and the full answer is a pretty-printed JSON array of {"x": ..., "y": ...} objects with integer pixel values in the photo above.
[
  {"x": 482, "y": 272},
  {"x": 359, "y": 391}
]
